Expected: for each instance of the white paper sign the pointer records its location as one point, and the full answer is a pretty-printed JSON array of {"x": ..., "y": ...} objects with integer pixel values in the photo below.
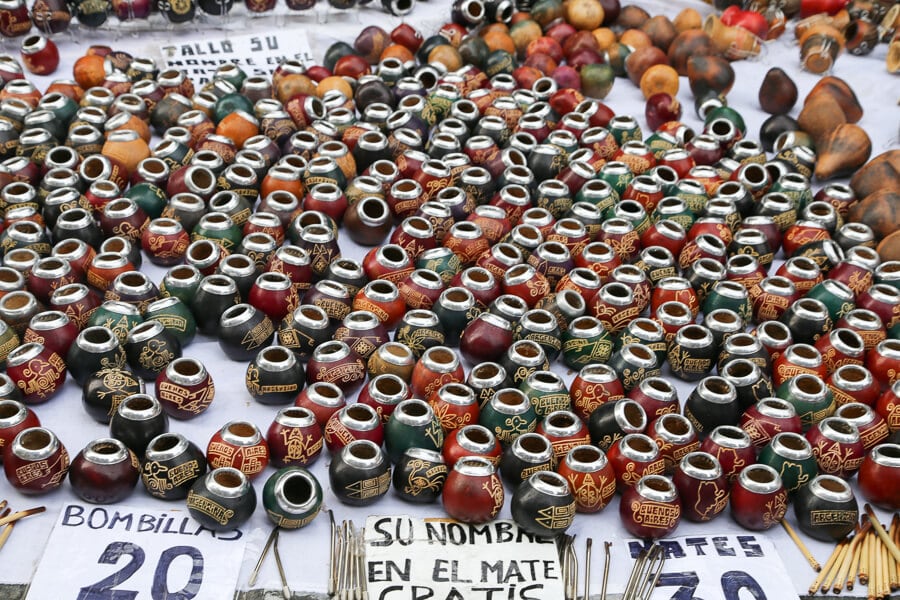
[
  {"x": 720, "y": 567},
  {"x": 256, "y": 54},
  {"x": 441, "y": 559},
  {"x": 107, "y": 552}
]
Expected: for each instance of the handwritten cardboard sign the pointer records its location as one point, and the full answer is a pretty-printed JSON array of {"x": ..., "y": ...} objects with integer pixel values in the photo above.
[
  {"x": 719, "y": 567},
  {"x": 102, "y": 552},
  {"x": 442, "y": 559},
  {"x": 256, "y": 54}
]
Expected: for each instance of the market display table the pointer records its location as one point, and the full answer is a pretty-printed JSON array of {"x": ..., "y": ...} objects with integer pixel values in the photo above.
[{"x": 306, "y": 551}]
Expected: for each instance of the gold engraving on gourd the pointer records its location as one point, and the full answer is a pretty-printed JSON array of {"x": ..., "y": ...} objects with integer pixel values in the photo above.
[
  {"x": 556, "y": 517},
  {"x": 369, "y": 488},
  {"x": 707, "y": 511},
  {"x": 830, "y": 517},
  {"x": 495, "y": 490},
  {"x": 209, "y": 507},
  {"x": 39, "y": 377},
  {"x": 787, "y": 470},
  {"x": 833, "y": 458},
  {"x": 300, "y": 447},
  {"x": 186, "y": 399},
  {"x": 173, "y": 322},
  {"x": 775, "y": 509},
  {"x": 449, "y": 419},
  {"x": 424, "y": 477},
  {"x": 155, "y": 355},
  {"x": 434, "y": 433},
  {"x": 257, "y": 336},
  {"x": 656, "y": 515}
]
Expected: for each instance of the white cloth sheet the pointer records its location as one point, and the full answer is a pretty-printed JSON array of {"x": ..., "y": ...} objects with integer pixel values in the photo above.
[{"x": 306, "y": 551}]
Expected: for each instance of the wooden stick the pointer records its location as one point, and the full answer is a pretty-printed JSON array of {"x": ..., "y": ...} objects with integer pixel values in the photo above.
[
  {"x": 827, "y": 568},
  {"x": 885, "y": 588},
  {"x": 864, "y": 558},
  {"x": 854, "y": 565},
  {"x": 841, "y": 578},
  {"x": 879, "y": 585},
  {"x": 893, "y": 574},
  {"x": 22, "y": 514},
  {"x": 4, "y": 535},
  {"x": 876, "y": 525},
  {"x": 852, "y": 554},
  {"x": 801, "y": 546},
  {"x": 875, "y": 585},
  {"x": 836, "y": 567},
  {"x": 875, "y": 566},
  {"x": 895, "y": 579}
]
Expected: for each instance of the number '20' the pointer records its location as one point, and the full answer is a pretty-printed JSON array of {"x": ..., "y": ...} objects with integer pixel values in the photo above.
[{"x": 103, "y": 589}]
